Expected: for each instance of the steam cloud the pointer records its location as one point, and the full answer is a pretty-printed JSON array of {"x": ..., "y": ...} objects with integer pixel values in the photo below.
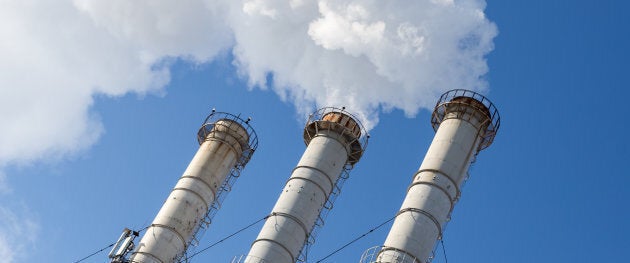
[{"x": 367, "y": 55}]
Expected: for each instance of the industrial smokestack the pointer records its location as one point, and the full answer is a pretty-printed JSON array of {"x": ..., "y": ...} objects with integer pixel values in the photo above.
[
  {"x": 465, "y": 123},
  {"x": 335, "y": 142},
  {"x": 226, "y": 145}
]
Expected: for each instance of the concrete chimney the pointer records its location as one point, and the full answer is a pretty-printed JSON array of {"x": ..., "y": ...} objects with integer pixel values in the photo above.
[
  {"x": 226, "y": 145},
  {"x": 465, "y": 123},
  {"x": 335, "y": 142}
]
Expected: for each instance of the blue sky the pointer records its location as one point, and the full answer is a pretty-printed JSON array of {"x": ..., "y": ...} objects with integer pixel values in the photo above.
[{"x": 552, "y": 187}]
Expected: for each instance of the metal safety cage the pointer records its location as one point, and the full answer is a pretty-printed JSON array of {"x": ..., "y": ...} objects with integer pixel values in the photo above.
[
  {"x": 310, "y": 240},
  {"x": 253, "y": 259},
  {"x": 323, "y": 214},
  {"x": 468, "y": 104},
  {"x": 248, "y": 145},
  {"x": 372, "y": 255},
  {"x": 342, "y": 122}
]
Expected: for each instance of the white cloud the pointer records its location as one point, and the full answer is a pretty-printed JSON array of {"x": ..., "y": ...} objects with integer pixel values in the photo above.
[
  {"x": 18, "y": 233},
  {"x": 363, "y": 54},
  {"x": 55, "y": 56},
  {"x": 349, "y": 30},
  {"x": 4, "y": 187}
]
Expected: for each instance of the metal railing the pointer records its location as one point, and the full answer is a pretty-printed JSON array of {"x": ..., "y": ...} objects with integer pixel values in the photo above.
[
  {"x": 466, "y": 105},
  {"x": 375, "y": 255}
]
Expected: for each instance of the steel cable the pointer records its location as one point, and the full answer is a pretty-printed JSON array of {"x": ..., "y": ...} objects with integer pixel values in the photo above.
[
  {"x": 357, "y": 239},
  {"x": 223, "y": 239},
  {"x": 444, "y": 251}
]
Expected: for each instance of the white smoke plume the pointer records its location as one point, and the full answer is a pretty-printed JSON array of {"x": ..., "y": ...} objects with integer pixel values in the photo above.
[{"x": 367, "y": 55}]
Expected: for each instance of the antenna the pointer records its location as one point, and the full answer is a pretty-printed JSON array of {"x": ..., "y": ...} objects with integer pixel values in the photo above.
[{"x": 123, "y": 246}]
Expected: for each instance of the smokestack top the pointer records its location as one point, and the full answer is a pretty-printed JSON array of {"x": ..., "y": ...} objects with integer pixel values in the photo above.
[
  {"x": 217, "y": 124},
  {"x": 343, "y": 123},
  {"x": 469, "y": 106}
]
